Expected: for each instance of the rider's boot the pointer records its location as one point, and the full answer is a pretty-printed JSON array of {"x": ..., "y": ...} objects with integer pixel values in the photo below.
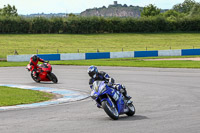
[
  {"x": 98, "y": 106},
  {"x": 34, "y": 74},
  {"x": 125, "y": 95},
  {"x": 124, "y": 92}
]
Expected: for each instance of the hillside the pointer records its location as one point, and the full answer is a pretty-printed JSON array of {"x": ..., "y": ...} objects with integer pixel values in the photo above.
[{"x": 114, "y": 11}]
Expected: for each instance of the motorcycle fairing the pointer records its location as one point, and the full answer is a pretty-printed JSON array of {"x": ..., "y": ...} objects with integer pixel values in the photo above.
[{"x": 102, "y": 92}]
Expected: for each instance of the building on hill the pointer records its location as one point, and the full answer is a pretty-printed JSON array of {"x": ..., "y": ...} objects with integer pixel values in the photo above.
[{"x": 115, "y": 4}]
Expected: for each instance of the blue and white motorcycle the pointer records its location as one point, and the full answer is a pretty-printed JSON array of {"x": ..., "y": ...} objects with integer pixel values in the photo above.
[{"x": 111, "y": 100}]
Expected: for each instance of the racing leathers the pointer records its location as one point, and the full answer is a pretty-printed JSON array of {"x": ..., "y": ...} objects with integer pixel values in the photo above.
[{"x": 34, "y": 66}]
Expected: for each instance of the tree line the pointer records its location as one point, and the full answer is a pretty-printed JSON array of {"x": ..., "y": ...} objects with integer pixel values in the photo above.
[
  {"x": 184, "y": 17},
  {"x": 189, "y": 8}
]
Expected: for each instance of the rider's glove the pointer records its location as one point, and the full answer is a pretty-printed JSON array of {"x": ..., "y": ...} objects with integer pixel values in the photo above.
[
  {"x": 109, "y": 84},
  {"x": 122, "y": 90},
  {"x": 111, "y": 81}
]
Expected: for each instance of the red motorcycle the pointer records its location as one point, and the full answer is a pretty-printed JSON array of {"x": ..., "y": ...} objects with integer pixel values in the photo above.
[{"x": 44, "y": 73}]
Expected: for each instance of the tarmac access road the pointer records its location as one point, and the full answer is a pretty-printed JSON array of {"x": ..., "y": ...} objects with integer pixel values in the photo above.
[{"x": 166, "y": 100}]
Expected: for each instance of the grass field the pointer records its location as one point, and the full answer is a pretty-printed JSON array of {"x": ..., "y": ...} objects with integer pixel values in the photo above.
[
  {"x": 126, "y": 62},
  {"x": 70, "y": 43},
  {"x": 15, "y": 96},
  {"x": 131, "y": 62}
]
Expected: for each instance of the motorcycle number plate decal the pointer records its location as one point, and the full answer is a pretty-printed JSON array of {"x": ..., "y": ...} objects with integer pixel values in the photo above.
[{"x": 116, "y": 96}]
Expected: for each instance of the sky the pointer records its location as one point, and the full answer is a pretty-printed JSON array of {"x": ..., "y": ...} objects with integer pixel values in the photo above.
[{"x": 77, "y": 6}]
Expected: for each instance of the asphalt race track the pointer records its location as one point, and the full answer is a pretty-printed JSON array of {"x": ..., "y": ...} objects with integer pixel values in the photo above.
[{"x": 166, "y": 101}]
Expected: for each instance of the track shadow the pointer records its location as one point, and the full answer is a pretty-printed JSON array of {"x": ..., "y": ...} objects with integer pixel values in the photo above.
[
  {"x": 47, "y": 83},
  {"x": 127, "y": 118},
  {"x": 132, "y": 118}
]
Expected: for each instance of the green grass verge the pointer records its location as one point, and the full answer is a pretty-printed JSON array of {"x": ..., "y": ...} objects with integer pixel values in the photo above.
[
  {"x": 70, "y": 43},
  {"x": 133, "y": 63},
  {"x": 169, "y": 57},
  {"x": 12, "y": 64},
  {"x": 15, "y": 96},
  {"x": 126, "y": 62}
]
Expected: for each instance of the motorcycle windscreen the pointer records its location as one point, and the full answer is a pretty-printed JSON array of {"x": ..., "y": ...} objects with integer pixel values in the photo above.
[{"x": 99, "y": 86}]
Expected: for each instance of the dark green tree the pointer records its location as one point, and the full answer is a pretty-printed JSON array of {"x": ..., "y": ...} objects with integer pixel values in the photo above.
[
  {"x": 185, "y": 7},
  {"x": 150, "y": 10},
  {"x": 71, "y": 15},
  {"x": 125, "y": 5},
  {"x": 8, "y": 11},
  {"x": 195, "y": 11},
  {"x": 170, "y": 13},
  {"x": 173, "y": 13}
]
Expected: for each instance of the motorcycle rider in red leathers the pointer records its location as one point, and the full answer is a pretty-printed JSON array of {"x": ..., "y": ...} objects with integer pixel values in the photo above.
[{"x": 33, "y": 63}]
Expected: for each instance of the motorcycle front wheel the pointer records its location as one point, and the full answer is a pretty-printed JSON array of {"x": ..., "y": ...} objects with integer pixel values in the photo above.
[
  {"x": 110, "y": 111},
  {"x": 131, "y": 108},
  {"x": 35, "y": 78}
]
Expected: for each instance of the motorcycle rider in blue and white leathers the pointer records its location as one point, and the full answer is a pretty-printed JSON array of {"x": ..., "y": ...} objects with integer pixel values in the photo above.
[{"x": 95, "y": 75}]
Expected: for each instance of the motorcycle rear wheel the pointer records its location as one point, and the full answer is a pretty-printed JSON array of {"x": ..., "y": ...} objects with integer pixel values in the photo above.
[
  {"x": 110, "y": 111},
  {"x": 52, "y": 77}
]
